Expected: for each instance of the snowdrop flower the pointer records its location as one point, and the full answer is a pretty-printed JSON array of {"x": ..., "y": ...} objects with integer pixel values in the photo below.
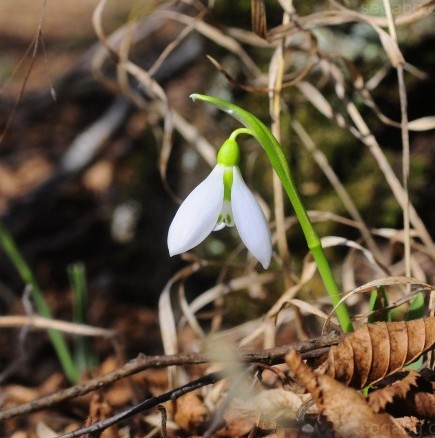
[{"x": 222, "y": 199}]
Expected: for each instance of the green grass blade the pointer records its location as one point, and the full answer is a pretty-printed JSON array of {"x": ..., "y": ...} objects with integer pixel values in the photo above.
[
  {"x": 57, "y": 339},
  {"x": 417, "y": 310},
  {"x": 83, "y": 353},
  {"x": 378, "y": 302},
  {"x": 77, "y": 276}
]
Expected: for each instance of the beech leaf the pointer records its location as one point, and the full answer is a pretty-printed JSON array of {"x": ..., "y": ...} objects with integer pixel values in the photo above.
[
  {"x": 346, "y": 409},
  {"x": 375, "y": 351}
]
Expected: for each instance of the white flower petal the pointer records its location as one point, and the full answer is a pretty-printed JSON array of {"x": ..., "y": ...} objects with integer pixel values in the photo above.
[
  {"x": 250, "y": 220},
  {"x": 219, "y": 226},
  {"x": 197, "y": 215}
]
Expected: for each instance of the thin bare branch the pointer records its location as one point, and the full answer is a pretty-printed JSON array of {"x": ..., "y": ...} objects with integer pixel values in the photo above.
[
  {"x": 308, "y": 348},
  {"x": 152, "y": 402}
]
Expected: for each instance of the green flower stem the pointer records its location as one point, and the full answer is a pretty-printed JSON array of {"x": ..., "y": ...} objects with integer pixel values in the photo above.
[
  {"x": 57, "y": 339},
  {"x": 276, "y": 156},
  {"x": 239, "y": 131}
]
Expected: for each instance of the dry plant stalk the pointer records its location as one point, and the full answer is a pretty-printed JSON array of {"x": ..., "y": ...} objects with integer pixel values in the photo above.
[
  {"x": 258, "y": 13},
  {"x": 378, "y": 350},
  {"x": 344, "y": 407}
]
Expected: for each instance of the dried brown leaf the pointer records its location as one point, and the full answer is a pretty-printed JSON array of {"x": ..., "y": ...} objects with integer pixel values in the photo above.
[
  {"x": 378, "y": 350},
  {"x": 238, "y": 423},
  {"x": 99, "y": 177},
  {"x": 263, "y": 410},
  {"x": 190, "y": 411},
  {"x": 413, "y": 395},
  {"x": 380, "y": 398},
  {"x": 99, "y": 409},
  {"x": 271, "y": 403},
  {"x": 344, "y": 407},
  {"x": 411, "y": 424},
  {"x": 423, "y": 405}
]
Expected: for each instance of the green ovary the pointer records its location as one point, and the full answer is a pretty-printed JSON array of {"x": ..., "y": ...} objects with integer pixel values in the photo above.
[{"x": 229, "y": 153}]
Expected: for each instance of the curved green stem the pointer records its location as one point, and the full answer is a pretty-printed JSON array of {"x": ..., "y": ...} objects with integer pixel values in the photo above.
[
  {"x": 276, "y": 156},
  {"x": 239, "y": 131}
]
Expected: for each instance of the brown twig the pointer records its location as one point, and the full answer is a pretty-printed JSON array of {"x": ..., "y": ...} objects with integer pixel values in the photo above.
[
  {"x": 164, "y": 414},
  {"x": 145, "y": 405},
  {"x": 312, "y": 347}
]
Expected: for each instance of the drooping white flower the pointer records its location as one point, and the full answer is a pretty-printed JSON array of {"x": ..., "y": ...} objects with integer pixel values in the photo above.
[{"x": 222, "y": 199}]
